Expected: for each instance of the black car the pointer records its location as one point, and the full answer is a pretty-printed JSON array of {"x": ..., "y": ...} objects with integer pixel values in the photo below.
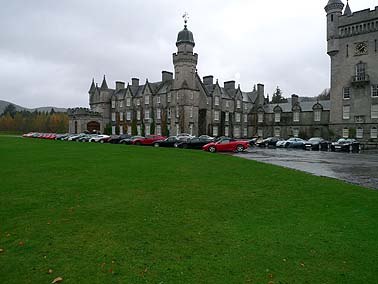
[
  {"x": 116, "y": 139},
  {"x": 317, "y": 144},
  {"x": 346, "y": 145},
  {"x": 269, "y": 142},
  {"x": 194, "y": 143},
  {"x": 129, "y": 141},
  {"x": 169, "y": 142}
]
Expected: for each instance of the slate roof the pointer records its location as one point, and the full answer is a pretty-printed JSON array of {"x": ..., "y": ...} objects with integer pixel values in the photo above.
[{"x": 306, "y": 104}]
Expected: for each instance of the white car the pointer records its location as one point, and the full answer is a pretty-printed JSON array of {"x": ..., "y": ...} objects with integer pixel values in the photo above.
[
  {"x": 184, "y": 136},
  {"x": 100, "y": 138},
  {"x": 281, "y": 144}
]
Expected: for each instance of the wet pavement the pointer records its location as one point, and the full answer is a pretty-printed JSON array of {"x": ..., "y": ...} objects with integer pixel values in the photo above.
[{"x": 361, "y": 169}]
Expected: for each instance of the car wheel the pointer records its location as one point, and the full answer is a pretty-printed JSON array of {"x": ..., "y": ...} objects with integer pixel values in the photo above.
[
  {"x": 175, "y": 145},
  {"x": 239, "y": 148},
  {"x": 101, "y": 141},
  {"x": 212, "y": 149},
  {"x": 156, "y": 145}
]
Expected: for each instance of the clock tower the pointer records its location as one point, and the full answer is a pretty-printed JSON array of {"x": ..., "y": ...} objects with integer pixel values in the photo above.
[{"x": 352, "y": 47}]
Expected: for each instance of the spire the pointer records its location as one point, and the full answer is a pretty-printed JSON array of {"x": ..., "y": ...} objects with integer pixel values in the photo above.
[
  {"x": 104, "y": 85},
  {"x": 347, "y": 11},
  {"x": 92, "y": 88}
]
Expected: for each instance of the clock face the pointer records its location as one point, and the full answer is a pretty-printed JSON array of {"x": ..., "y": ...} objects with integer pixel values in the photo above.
[{"x": 361, "y": 48}]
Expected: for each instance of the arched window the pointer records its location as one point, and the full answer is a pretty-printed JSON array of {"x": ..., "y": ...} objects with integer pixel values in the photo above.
[
  {"x": 360, "y": 133},
  {"x": 346, "y": 132}
]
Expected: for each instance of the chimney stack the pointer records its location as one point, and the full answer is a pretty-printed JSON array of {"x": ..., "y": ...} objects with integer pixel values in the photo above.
[
  {"x": 230, "y": 85},
  {"x": 166, "y": 76},
  {"x": 208, "y": 80},
  {"x": 120, "y": 85},
  {"x": 135, "y": 82},
  {"x": 294, "y": 99}
]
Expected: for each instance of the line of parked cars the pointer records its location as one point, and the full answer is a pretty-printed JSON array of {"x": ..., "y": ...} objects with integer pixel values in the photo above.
[
  {"x": 183, "y": 140},
  {"x": 313, "y": 144}
]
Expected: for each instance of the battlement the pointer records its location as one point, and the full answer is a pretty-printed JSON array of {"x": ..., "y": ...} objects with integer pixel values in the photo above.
[
  {"x": 80, "y": 111},
  {"x": 361, "y": 22}
]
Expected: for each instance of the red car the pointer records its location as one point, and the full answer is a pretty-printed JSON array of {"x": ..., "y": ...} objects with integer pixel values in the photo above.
[
  {"x": 226, "y": 144},
  {"x": 148, "y": 140}
]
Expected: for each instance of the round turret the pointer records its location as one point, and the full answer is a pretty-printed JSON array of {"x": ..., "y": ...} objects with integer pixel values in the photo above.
[
  {"x": 334, "y": 5},
  {"x": 185, "y": 36}
]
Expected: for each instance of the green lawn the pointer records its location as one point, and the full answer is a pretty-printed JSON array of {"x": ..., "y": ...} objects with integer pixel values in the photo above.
[{"x": 97, "y": 213}]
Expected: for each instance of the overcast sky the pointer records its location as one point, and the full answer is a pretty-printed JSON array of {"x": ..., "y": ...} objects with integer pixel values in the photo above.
[{"x": 51, "y": 50}]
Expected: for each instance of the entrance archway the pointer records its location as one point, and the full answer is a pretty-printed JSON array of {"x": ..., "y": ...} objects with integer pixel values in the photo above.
[{"x": 93, "y": 126}]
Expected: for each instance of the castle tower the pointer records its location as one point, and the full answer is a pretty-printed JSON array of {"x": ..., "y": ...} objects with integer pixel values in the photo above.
[
  {"x": 334, "y": 10},
  {"x": 185, "y": 61}
]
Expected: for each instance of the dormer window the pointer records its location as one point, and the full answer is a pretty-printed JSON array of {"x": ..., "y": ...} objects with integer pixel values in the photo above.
[
  {"x": 147, "y": 100},
  {"x": 296, "y": 116},
  {"x": 277, "y": 117},
  {"x": 227, "y": 105},
  {"x": 128, "y": 102},
  {"x": 138, "y": 102},
  {"x": 158, "y": 99},
  {"x": 120, "y": 103},
  {"x": 113, "y": 104},
  {"x": 238, "y": 104},
  {"x": 317, "y": 115},
  {"x": 216, "y": 101},
  {"x": 260, "y": 117}
]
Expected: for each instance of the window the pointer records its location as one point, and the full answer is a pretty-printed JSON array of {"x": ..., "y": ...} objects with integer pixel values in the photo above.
[
  {"x": 374, "y": 111},
  {"x": 128, "y": 115},
  {"x": 317, "y": 115},
  {"x": 113, "y": 116},
  {"x": 374, "y": 90},
  {"x": 346, "y": 93},
  {"x": 296, "y": 116},
  {"x": 177, "y": 112},
  {"x": 129, "y": 129},
  {"x": 295, "y": 132},
  {"x": 245, "y": 106},
  {"x": 245, "y": 118},
  {"x": 169, "y": 98},
  {"x": 177, "y": 129},
  {"x": 360, "y": 71},
  {"x": 245, "y": 132},
  {"x": 121, "y": 130},
  {"x": 215, "y": 131},
  {"x": 260, "y": 117},
  {"x": 147, "y": 100},
  {"x": 260, "y": 132},
  {"x": 277, "y": 132},
  {"x": 237, "y": 132},
  {"x": 138, "y": 102},
  {"x": 227, "y": 105},
  {"x": 216, "y": 101},
  {"x": 147, "y": 114},
  {"x": 158, "y": 99},
  {"x": 120, "y": 103},
  {"x": 216, "y": 115},
  {"x": 237, "y": 117},
  {"x": 238, "y": 103},
  {"x": 277, "y": 117},
  {"x": 345, "y": 132},
  {"x": 113, "y": 104},
  {"x": 226, "y": 130},
  {"x": 138, "y": 115},
  {"x": 191, "y": 111},
  {"x": 191, "y": 129},
  {"x": 128, "y": 102},
  {"x": 148, "y": 130},
  {"x": 360, "y": 132},
  {"x": 113, "y": 130},
  {"x": 374, "y": 133},
  {"x": 138, "y": 130},
  {"x": 158, "y": 129},
  {"x": 158, "y": 113},
  {"x": 346, "y": 112},
  {"x": 227, "y": 117},
  {"x": 121, "y": 116}
]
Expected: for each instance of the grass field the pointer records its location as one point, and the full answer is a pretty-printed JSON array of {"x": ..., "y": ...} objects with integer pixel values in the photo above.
[{"x": 94, "y": 213}]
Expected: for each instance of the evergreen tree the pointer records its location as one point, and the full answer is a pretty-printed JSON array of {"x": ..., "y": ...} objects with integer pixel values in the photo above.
[
  {"x": 10, "y": 109},
  {"x": 277, "y": 97}
]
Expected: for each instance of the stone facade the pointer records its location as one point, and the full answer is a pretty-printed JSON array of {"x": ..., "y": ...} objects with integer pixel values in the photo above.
[
  {"x": 352, "y": 47},
  {"x": 184, "y": 102}
]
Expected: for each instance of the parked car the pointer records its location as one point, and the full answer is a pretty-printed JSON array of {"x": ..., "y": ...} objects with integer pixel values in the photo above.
[
  {"x": 76, "y": 136},
  {"x": 206, "y": 137},
  {"x": 294, "y": 143},
  {"x": 86, "y": 137},
  {"x": 317, "y": 144},
  {"x": 269, "y": 142},
  {"x": 194, "y": 143},
  {"x": 61, "y": 136},
  {"x": 169, "y": 142},
  {"x": 28, "y": 135},
  {"x": 100, "y": 138},
  {"x": 346, "y": 145},
  {"x": 116, "y": 139},
  {"x": 184, "y": 136},
  {"x": 129, "y": 141},
  {"x": 226, "y": 144},
  {"x": 148, "y": 140}
]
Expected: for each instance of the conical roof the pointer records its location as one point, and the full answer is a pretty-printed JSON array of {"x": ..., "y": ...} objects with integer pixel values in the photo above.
[
  {"x": 347, "y": 10},
  {"x": 104, "y": 85},
  {"x": 92, "y": 89}
]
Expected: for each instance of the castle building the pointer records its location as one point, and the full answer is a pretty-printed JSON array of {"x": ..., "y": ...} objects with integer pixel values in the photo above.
[
  {"x": 184, "y": 102},
  {"x": 353, "y": 49}
]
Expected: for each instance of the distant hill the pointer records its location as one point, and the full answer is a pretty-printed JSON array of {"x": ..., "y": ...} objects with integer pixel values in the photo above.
[{"x": 4, "y": 104}]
